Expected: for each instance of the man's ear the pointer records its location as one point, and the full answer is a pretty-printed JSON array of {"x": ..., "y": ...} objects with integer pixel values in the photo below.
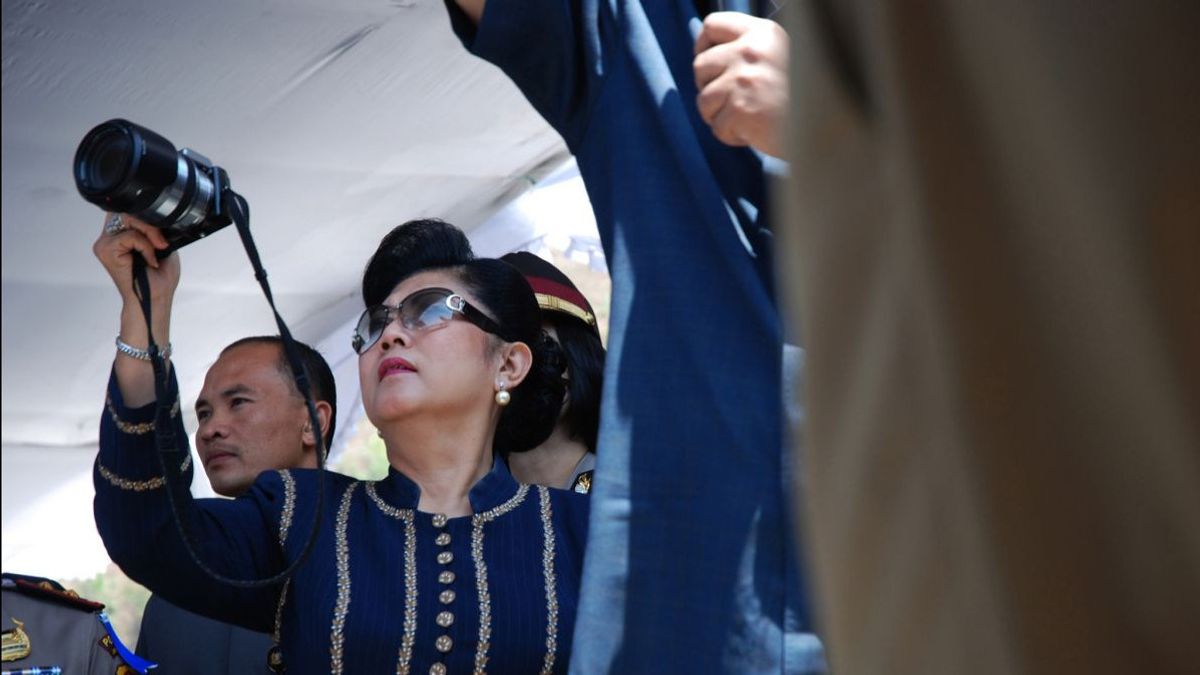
[
  {"x": 324, "y": 416},
  {"x": 516, "y": 360}
]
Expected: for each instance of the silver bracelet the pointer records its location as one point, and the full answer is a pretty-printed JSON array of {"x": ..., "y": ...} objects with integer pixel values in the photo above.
[{"x": 139, "y": 354}]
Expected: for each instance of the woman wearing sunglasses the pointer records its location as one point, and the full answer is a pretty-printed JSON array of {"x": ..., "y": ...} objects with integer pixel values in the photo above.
[{"x": 445, "y": 565}]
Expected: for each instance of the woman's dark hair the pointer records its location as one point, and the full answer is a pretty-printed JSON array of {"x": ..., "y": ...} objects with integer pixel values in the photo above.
[
  {"x": 412, "y": 247},
  {"x": 584, "y": 355},
  {"x": 507, "y": 297},
  {"x": 504, "y": 295}
]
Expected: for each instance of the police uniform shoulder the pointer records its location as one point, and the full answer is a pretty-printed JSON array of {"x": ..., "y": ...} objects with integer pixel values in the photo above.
[
  {"x": 41, "y": 624},
  {"x": 48, "y": 590}
]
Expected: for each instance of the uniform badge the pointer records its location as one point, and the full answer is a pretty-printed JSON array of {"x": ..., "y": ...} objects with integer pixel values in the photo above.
[
  {"x": 14, "y": 644},
  {"x": 107, "y": 645},
  {"x": 583, "y": 484}
]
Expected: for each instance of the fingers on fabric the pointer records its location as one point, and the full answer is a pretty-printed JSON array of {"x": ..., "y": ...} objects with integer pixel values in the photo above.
[
  {"x": 713, "y": 62},
  {"x": 726, "y": 125},
  {"x": 722, "y": 27},
  {"x": 734, "y": 96},
  {"x": 711, "y": 100}
]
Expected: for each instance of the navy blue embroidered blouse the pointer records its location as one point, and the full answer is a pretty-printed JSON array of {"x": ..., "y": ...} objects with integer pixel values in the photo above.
[{"x": 387, "y": 588}]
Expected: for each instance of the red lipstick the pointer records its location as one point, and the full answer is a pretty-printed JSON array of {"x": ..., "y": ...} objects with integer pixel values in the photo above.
[{"x": 394, "y": 366}]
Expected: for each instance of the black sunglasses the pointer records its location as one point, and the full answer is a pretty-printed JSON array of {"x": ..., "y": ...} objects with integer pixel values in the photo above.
[{"x": 421, "y": 310}]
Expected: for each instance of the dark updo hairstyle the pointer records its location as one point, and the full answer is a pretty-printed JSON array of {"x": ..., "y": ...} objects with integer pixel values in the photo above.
[
  {"x": 504, "y": 295},
  {"x": 412, "y": 247}
]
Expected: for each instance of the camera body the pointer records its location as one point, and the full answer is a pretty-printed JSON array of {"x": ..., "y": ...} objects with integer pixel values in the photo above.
[{"x": 126, "y": 168}]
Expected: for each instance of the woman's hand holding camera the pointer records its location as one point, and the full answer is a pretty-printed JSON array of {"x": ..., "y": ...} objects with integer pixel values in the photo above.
[{"x": 124, "y": 237}]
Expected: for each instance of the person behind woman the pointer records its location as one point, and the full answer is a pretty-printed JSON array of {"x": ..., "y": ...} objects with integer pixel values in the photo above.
[
  {"x": 568, "y": 458},
  {"x": 447, "y": 564}
]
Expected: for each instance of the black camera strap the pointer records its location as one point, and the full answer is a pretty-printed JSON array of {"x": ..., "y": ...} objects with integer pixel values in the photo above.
[{"x": 171, "y": 452}]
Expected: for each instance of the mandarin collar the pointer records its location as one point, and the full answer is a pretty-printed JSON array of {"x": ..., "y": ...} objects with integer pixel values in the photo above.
[{"x": 495, "y": 488}]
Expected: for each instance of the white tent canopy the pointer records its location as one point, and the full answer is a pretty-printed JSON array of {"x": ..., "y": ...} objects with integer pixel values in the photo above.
[{"x": 337, "y": 121}]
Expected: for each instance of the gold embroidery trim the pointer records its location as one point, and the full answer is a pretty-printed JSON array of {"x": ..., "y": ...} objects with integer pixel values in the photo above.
[
  {"x": 289, "y": 504},
  {"x": 342, "y": 556},
  {"x": 138, "y": 485},
  {"x": 285, "y": 523},
  {"x": 556, "y": 303},
  {"x": 139, "y": 428},
  {"x": 481, "y": 583},
  {"x": 278, "y": 633},
  {"x": 408, "y": 638},
  {"x": 551, "y": 582}
]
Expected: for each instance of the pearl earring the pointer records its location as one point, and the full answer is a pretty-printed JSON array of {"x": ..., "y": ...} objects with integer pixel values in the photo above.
[{"x": 502, "y": 396}]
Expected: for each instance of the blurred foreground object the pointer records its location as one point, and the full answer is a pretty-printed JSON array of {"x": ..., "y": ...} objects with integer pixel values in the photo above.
[{"x": 993, "y": 242}]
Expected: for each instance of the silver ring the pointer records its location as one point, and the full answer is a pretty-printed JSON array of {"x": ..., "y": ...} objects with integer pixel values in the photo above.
[{"x": 115, "y": 225}]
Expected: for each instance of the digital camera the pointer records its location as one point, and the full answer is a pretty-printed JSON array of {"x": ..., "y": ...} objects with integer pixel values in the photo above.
[{"x": 126, "y": 168}]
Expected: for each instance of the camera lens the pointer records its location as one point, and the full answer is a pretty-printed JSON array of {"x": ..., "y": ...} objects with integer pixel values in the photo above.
[
  {"x": 121, "y": 166},
  {"x": 106, "y": 160},
  {"x": 127, "y": 168}
]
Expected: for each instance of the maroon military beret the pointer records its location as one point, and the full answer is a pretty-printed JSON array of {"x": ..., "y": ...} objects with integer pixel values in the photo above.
[{"x": 554, "y": 291}]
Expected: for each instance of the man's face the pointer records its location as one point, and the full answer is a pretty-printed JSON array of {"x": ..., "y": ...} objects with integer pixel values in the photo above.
[{"x": 251, "y": 419}]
